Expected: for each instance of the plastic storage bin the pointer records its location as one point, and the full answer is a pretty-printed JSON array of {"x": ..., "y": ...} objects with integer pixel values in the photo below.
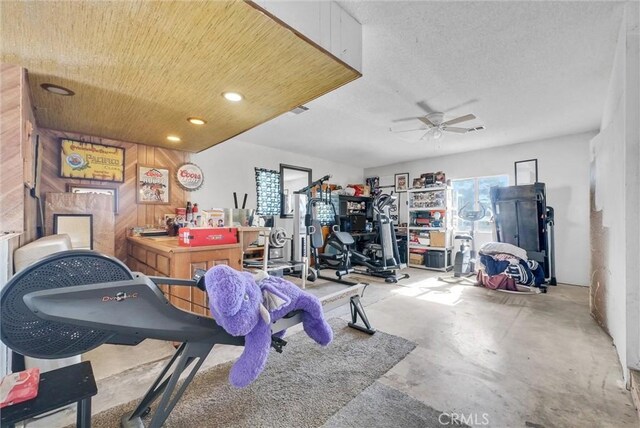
[{"x": 436, "y": 259}]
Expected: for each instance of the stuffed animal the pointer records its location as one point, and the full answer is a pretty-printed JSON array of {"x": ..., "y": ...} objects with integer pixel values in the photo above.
[{"x": 246, "y": 306}]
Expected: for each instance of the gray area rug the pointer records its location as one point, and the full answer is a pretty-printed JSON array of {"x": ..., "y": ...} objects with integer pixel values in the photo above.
[
  {"x": 381, "y": 406},
  {"x": 302, "y": 387}
]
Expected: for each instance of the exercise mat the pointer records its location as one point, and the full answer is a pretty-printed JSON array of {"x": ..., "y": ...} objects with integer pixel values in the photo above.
[{"x": 302, "y": 387}]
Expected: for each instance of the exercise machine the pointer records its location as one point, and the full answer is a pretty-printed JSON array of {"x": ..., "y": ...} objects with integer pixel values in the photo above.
[
  {"x": 73, "y": 301},
  {"x": 378, "y": 259},
  {"x": 337, "y": 249},
  {"x": 303, "y": 205},
  {"x": 465, "y": 261},
  {"x": 522, "y": 218},
  {"x": 381, "y": 259}
]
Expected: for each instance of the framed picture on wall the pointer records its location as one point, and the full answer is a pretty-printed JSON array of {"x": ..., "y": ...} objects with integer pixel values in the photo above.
[
  {"x": 79, "y": 227},
  {"x": 526, "y": 172},
  {"x": 98, "y": 190},
  {"x": 401, "y": 182},
  {"x": 91, "y": 161},
  {"x": 153, "y": 185}
]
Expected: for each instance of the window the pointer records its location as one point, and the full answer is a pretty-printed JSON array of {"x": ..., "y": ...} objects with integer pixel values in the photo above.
[
  {"x": 268, "y": 191},
  {"x": 473, "y": 190}
]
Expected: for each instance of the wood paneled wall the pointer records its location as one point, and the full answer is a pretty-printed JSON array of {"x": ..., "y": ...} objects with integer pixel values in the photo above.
[
  {"x": 11, "y": 174},
  {"x": 100, "y": 206},
  {"x": 130, "y": 213},
  {"x": 17, "y": 123}
]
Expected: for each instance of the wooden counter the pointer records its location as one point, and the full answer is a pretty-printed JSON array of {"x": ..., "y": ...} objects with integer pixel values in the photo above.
[{"x": 162, "y": 256}]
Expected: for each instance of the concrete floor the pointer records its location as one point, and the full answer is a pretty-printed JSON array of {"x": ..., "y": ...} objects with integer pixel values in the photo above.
[{"x": 497, "y": 359}]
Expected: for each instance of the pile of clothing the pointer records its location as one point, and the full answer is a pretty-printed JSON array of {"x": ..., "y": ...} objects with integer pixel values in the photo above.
[{"x": 507, "y": 267}]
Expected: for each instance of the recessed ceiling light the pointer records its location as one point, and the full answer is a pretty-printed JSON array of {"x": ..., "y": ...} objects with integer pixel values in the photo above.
[
  {"x": 197, "y": 121},
  {"x": 173, "y": 138},
  {"x": 232, "y": 96},
  {"x": 58, "y": 90}
]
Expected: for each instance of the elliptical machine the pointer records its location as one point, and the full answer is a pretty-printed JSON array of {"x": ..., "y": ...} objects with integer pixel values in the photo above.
[
  {"x": 381, "y": 259},
  {"x": 464, "y": 264}
]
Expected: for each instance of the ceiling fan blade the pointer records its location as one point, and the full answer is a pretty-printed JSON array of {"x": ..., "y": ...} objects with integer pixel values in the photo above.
[
  {"x": 424, "y": 119},
  {"x": 459, "y": 119},
  {"x": 477, "y": 128},
  {"x": 424, "y": 106},
  {"x": 405, "y": 119},
  {"x": 454, "y": 129},
  {"x": 410, "y": 130},
  {"x": 424, "y": 135},
  {"x": 463, "y": 104}
]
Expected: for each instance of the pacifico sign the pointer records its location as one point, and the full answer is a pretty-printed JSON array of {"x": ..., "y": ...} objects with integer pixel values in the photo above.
[
  {"x": 190, "y": 176},
  {"x": 91, "y": 161}
]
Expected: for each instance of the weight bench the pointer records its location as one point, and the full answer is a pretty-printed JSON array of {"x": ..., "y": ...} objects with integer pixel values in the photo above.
[{"x": 57, "y": 388}]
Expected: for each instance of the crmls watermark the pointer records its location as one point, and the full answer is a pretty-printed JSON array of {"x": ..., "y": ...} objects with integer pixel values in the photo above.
[{"x": 471, "y": 419}]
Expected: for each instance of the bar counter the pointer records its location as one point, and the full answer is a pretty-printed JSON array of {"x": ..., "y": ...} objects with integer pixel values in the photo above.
[{"x": 162, "y": 256}]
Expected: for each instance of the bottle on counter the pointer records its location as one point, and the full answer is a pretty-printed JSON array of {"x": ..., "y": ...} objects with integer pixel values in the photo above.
[{"x": 189, "y": 213}]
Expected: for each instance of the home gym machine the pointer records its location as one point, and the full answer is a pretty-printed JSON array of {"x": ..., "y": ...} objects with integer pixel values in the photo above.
[
  {"x": 307, "y": 234},
  {"x": 523, "y": 219},
  {"x": 302, "y": 204},
  {"x": 381, "y": 259},
  {"x": 74, "y": 301}
]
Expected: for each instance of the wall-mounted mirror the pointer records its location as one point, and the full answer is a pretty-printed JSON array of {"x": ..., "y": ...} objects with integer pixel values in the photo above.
[
  {"x": 292, "y": 179},
  {"x": 526, "y": 172},
  {"x": 79, "y": 227}
]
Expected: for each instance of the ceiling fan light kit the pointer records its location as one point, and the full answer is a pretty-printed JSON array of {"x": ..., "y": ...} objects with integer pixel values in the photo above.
[{"x": 436, "y": 125}]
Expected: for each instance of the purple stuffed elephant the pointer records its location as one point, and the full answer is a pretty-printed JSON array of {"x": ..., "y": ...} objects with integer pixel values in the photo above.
[{"x": 246, "y": 307}]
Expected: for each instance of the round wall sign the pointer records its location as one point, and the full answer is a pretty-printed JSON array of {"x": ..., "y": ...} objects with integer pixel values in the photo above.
[{"x": 190, "y": 176}]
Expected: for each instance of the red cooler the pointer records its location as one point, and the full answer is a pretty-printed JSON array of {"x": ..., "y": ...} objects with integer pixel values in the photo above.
[{"x": 201, "y": 236}]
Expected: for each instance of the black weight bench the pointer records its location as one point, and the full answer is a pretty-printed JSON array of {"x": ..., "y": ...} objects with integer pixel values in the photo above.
[{"x": 57, "y": 388}]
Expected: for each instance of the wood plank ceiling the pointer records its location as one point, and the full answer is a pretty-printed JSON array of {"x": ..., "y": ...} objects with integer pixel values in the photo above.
[{"x": 139, "y": 69}]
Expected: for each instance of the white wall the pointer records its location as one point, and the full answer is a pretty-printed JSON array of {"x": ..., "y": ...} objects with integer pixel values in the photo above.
[
  {"x": 616, "y": 163},
  {"x": 229, "y": 167},
  {"x": 563, "y": 164}
]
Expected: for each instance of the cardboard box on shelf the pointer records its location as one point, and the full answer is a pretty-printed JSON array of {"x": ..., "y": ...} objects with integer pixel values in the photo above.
[
  {"x": 416, "y": 259},
  {"x": 325, "y": 188},
  {"x": 438, "y": 239}
]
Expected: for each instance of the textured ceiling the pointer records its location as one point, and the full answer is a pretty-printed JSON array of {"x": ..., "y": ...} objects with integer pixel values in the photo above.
[
  {"x": 527, "y": 70},
  {"x": 139, "y": 69}
]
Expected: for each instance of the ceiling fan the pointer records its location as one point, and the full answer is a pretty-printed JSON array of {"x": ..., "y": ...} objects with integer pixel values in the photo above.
[{"x": 436, "y": 125}]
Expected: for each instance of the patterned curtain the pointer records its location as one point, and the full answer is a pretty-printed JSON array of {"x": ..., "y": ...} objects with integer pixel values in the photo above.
[
  {"x": 268, "y": 190},
  {"x": 324, "y": 212}
]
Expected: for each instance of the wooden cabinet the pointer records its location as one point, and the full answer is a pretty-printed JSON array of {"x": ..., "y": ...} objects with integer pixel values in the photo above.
[
  {"x": 164, "y": 257},
  {"x": 325, "y": 23}
]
